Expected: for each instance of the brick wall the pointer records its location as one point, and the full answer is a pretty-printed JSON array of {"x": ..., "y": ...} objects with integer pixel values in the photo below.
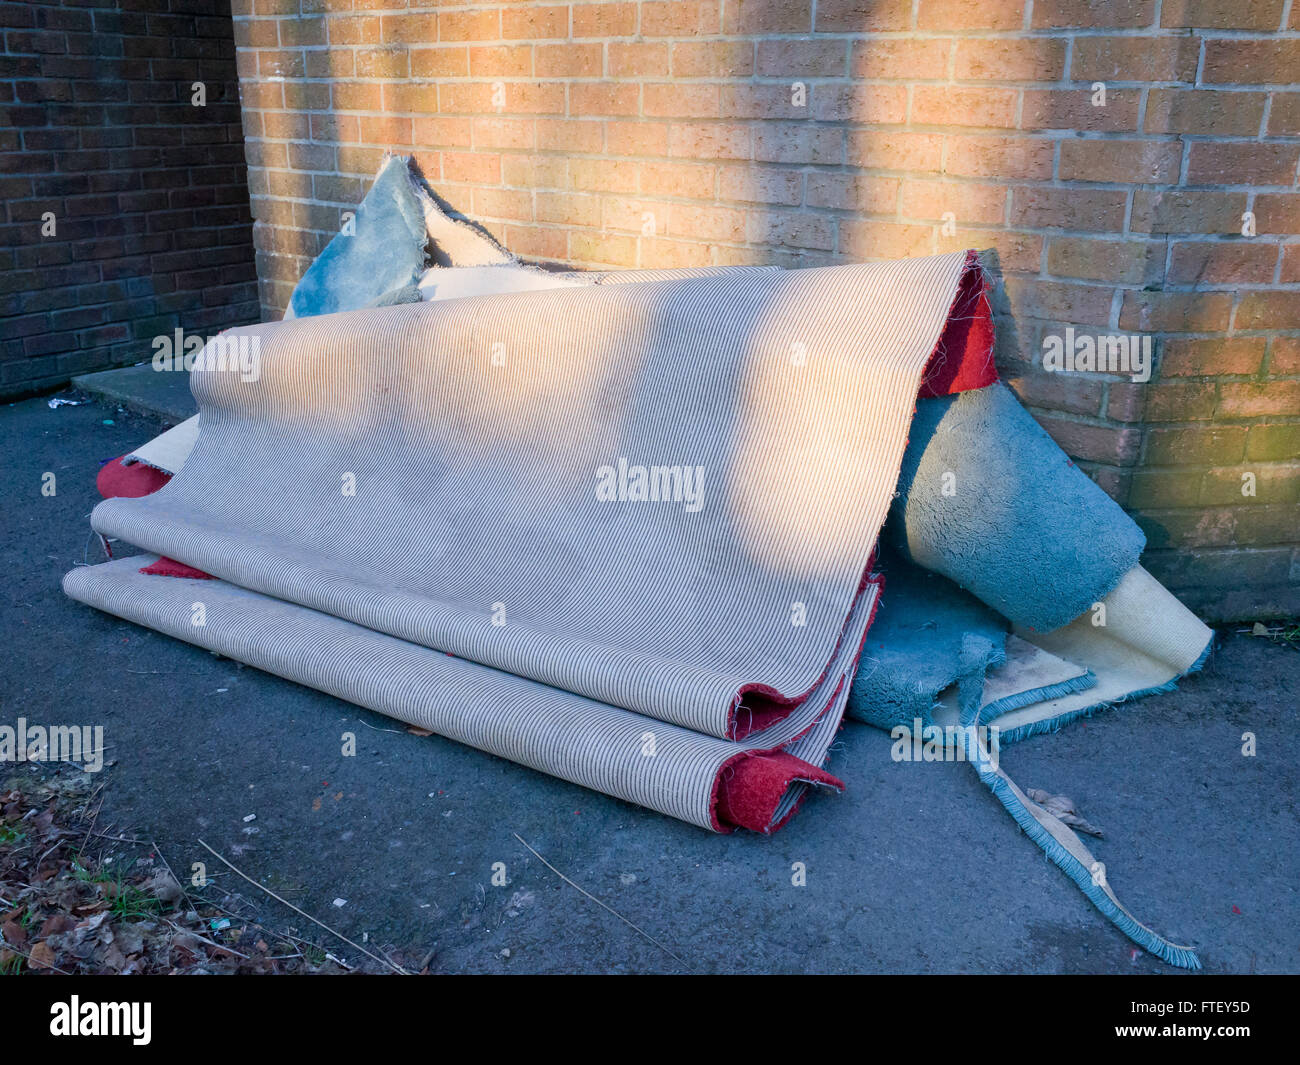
[
  {"x": 666, "y": 133},
  {"x": 150, "y": 226}
]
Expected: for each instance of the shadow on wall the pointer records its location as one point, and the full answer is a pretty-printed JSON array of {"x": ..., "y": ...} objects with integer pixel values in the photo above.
[{"x": 892, "y": 161}]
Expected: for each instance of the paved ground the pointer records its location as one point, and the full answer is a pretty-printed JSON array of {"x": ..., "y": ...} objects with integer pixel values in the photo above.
[{"x": 915, "y": 869}]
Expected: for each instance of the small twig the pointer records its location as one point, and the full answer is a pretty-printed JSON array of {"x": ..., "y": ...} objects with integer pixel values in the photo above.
[
  {"x": 340, "y": 962},
  {"x": 205, "y": 939},
  {"x": 373, "y": 728},
  {"x": 597, "y": 901},
  {"x": 164, "y": 672},
  {"x": 90, "y": 831},
  {"x": 396, "y": 968},
  {"x": 121, "y": 839}
]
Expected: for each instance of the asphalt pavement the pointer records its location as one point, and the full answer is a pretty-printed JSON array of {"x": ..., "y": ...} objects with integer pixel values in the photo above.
[{"x": 916, "y": 868}]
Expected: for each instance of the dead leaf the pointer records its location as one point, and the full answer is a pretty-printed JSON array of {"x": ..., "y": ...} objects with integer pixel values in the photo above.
[
  {"x": 14, "y": 933},
  {"x": 129, "y": 938},
  {"x": 41, "y": 956},
  {"x": 1063, "y": 809},
  {"x": 54, "y": 925},
  {"x": 163, "y": 886}
]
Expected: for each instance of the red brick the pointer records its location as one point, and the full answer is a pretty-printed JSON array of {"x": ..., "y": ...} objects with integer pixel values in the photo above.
[
  {"x": 413, "y": 28},
  {"x": 807, "y": 58},
  {"x": 469, "y": 26},
  {"x": 711, "y": 223},
  {"x": 489, "y": 203},
  {"x": 789, "y": 142},
  {"x": 568, "y": 60},
  {"x": 1175, "y": 312},
  {"x": 1191, "y": 447},
  {"x": 631, "y": 60},
  {"x": 568, "y": 208},
  {"x": 1071, "y": 393},
  {"x": 678, "y": 180},
  {"x": 452, "y": 61},
  {"x": 1000, "y": 59},
  {"x": 1268, "y": 310},
  {"x": 607, "y": 98},
  {"x": 1204, "y": 112},
  {"x": 1273, "y": 484},
  {"x": 1239, "y": 399},
  {"x": 1134, "y": 59},
  {"x": 510, "y": 61},
  {"x": 900, "y": 59},
  {"x": 851, "y": 192},
  {"x": 756, "y": 17},
  {"x": 970, "y": 202},
  {"x": 1242, "y": 163},
  {"x": 680, "y": 18},
  {"x": 648, "y": 138},
  {"x": 863, "y": 16},
  {"x": 1114, "y": 161},
  {"x": 536, "y": 242},
  {"x": 1284, "y": 357},
  {"x": 1222, "y": 14},
  {"x": 884, "y": 240},
  {"x": 1193, "y": 357},
  {"x": 1014, "y": 252},
  {"x": 1193, "y": 211},
  {"x": 1289, "y": 273},
  {"x": 948, "y": 105},
  {"x": 1096, "y": 443},
  {"x": 477, "y": 167},
  {"x": 708, "y": 140},
  {"x": 1165, "y": 488},
  {"x": 945, "y": 16},
  {"x": 1050, "y": 208},
  {"x": 1284, "y": 114},
  {"x": 1024, "y": 158},
  {"x": 1125, "y": 261},
  {"x": 1093, "y": 14},
  {"x": 529, "y": 23},
  {"x": 501, "y": 133},
  {"x": 1181, "y": 401},
  {"x": 604, "y": 20},
  {"x": 1056, "y": 301},
  {"x": 712, "y": 59},
  {"x": 1073, "y": 109},
  {"x": 884, "y": 105},
  {"x": 1276, "y": 442},
  {"x": 575, "y": 134},
  {"x": 1221, "y": 263},
  {"x": 601, "y": 249},
  {"x": 761, "y": 185},
  {"x": 1277, "y": 213},
  {"x": 1246, "y": 62},
  {"x": 674, "y": 100}
]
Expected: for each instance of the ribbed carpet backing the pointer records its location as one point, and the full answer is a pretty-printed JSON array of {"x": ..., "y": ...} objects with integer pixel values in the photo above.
[{"x": 618, "y": 533}]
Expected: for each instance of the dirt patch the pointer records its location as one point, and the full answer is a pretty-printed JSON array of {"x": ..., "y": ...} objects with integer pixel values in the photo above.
[{"x": 77, "y": 899}]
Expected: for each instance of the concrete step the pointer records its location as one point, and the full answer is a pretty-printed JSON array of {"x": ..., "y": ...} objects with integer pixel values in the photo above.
[{"x": 143, "y": 389}]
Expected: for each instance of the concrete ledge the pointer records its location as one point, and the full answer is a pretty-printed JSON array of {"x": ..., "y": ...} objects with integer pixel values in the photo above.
[{"x": 143, "y": 389}]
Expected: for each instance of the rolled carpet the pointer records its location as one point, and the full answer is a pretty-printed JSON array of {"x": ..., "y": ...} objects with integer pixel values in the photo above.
[
  {"x": 657, "y": 502},
  {"x": 622, "y": 533}
]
